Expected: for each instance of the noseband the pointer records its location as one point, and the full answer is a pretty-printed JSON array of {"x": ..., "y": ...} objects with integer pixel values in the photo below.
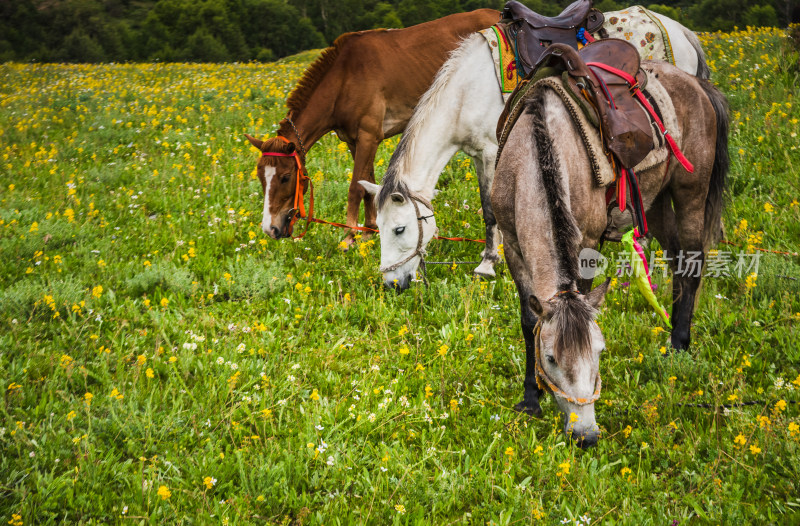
[
  {"x": 419, "y": 251},
  {"x": 546, "y": 383}
]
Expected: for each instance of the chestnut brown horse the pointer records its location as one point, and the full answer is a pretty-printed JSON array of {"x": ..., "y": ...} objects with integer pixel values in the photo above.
[{"x": 365, "y": 88}]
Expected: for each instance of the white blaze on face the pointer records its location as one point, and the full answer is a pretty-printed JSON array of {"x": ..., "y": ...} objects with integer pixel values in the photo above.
[{"x": 266, "y": 220}]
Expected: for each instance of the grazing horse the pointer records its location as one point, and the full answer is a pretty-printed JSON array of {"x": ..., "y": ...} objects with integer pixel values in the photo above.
[
  {"x": 364, "y": 87},
  {"x": 460, "y": 112},
  {"x": 549, "y": 207}
]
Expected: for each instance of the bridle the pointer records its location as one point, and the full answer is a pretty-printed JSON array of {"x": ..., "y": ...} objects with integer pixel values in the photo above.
[
  {"x": 415, "y": 199},
  {"x": 546, "y": 383},
  {"x": 302, "y": 180}
]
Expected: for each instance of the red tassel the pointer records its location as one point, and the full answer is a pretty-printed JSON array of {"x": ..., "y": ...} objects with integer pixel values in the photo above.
[{"x": 621, "y": 189}]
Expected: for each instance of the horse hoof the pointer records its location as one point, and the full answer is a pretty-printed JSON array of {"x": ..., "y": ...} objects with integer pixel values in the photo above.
[
  {"x": 485, "y": 270},
  {"x": 532, "y": 410}
]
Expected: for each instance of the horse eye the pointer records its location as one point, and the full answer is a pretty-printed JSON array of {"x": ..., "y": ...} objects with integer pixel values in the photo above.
[
  {"x": 551, "y": 360},
  {"x": 399, "y": 230},
  {"x": 285, "y": 178}
]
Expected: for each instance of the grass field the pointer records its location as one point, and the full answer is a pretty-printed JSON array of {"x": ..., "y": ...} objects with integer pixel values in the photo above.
[{"x": 163, "y": 362}]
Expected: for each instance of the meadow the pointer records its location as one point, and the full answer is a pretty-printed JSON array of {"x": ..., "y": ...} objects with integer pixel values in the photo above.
[{"x": 162, "y": 361}]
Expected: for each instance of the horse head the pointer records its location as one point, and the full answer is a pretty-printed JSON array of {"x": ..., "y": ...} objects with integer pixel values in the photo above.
[
  {"x": 406, "y": 222},
  {"x": 568, "y": 346},
  {"x": 281, "y": 172}
]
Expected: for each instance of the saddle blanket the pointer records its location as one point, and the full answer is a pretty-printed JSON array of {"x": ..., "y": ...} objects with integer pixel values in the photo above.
[
  {"x": 635, "y": 24},
  {"x": 504, "y": 61}
]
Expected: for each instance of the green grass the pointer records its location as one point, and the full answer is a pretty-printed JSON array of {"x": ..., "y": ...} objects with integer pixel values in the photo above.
[{"x": 285, "y": 372}]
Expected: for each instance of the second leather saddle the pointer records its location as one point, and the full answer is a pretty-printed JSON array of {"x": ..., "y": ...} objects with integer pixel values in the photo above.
[{"x": 531, "y": 32}]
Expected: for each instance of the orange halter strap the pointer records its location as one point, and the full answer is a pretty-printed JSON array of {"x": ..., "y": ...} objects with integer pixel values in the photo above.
[{"x": 299, "y": 210}]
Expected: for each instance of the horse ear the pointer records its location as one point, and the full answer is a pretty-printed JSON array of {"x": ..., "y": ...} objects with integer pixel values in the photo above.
[
  {"x": 542, "y": 310},
  {"x": 398, "y": 198},
  {"x": 255, "y": 142},
  {"x": 597, "y": 295},
  {"x": 371, "y": 188}
]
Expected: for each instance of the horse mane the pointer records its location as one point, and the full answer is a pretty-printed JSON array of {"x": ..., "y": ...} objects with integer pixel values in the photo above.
[
  {"x": 566, "y": 234},
  {"x": 314, "y": 74},
  {"x": 572, "y": 318},
  {"x": 419, "y": 119},
  {"x": 571, "y": 315}
]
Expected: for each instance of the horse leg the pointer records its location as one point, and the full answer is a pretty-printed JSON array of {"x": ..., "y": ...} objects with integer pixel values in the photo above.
[
  {"x": 532, "y": 393},
  {"x": 680, "y": 233},
  {"x": 484, "y": 166},
  {"x": 363, "y": 170}
]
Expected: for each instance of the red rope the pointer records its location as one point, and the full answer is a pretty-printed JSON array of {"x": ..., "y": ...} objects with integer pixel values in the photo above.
[
  {"x": 795, "y": 254},
  {"x": 373, "y": 230}
]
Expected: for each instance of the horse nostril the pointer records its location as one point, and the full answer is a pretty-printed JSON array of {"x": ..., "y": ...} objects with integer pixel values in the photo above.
[{"x": 274, "y": 231}]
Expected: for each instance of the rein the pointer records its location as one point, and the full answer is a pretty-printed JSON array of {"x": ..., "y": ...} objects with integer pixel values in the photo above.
[
  {"x": 299, "y": 211},
  {"x": 546, "y": 383}
]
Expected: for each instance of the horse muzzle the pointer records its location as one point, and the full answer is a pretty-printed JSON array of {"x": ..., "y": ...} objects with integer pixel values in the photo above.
[
  {"x": 282, "y": 228},
  {"x": 586, "y": 439},
  {"x": 398, "y": 284}
]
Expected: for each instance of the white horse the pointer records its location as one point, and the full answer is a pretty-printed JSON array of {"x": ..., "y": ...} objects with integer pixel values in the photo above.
[{"x": 460, "y": 112}]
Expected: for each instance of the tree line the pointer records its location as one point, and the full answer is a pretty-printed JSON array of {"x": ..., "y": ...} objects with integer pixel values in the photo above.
[{"x": 264, "y": 30}]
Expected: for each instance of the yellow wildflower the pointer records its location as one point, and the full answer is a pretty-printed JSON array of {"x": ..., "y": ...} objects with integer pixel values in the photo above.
[
  {"x": 627, "y": 431},
  {"x": 164, "y": 492},
  {"x": 794, "y": 429}
]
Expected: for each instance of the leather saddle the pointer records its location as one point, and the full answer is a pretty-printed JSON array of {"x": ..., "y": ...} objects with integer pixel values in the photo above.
[
  {"x": 532, "y": 32},
  {"x": 624, "y": 124}
]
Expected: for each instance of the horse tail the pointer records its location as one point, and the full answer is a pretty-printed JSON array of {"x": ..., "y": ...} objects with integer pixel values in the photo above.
[
  {"x": 715, "y": 200},
  {"x": 703, "y": 71}
]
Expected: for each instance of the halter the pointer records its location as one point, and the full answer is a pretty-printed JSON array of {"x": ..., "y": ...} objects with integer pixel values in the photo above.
[
  {"x": 419, "y": 251},
  {"x": 299, "y": 210},
  {"x": 545, "y": 382}
]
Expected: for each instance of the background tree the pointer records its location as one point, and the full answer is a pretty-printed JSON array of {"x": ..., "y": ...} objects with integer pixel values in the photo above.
[{"x": 223, "y": 30}]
